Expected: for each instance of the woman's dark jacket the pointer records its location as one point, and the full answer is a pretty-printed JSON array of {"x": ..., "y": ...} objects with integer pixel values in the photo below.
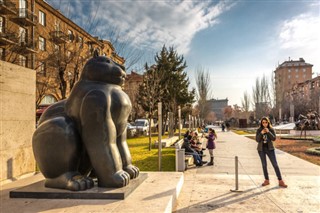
[
  {"x": 271, "y": 136},
  {"x": 186, "y": 146}
]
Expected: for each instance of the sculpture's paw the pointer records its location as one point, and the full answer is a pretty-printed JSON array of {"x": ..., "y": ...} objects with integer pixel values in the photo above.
[
  {"x": 132, "y": 170},
  {"x": 118, "y": 179},
  {"x": 71, "y": 182}
]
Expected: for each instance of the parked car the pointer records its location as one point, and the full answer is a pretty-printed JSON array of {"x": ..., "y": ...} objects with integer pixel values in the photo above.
[
  {"x": 131, "y": 131},
  {"x": 142, "y": 126},
  {"x": 40, "y": 109}
]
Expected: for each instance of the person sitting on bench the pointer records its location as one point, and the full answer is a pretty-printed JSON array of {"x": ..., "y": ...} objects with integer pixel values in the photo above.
[{"x": 189, "y": 151}]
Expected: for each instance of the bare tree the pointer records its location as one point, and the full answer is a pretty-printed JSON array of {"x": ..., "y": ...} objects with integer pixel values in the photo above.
[
  {"x": 124, "y": 47},
  {"x": 261, "y": 96},
  {"x": 245, "y": 102},
  {"x": 151, "y": 92},
  {"x": 203, "y": 83}
]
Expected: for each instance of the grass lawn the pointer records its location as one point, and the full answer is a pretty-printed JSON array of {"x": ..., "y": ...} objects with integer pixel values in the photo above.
[{"x": 147, "y": 160}]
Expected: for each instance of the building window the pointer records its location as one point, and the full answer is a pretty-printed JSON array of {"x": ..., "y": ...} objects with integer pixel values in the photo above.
[
  {"x": 304, "y": 69},
  {"x": 289, "y": 76},
  {"x": 22, "y": 8},
  {"x": 297, "y": 70},
  {"x": 304, "y": 75},
  {"x": 48, "y": 99},
  {"x": 57, "y": 25},
  {"x": 90, "y": 48},
  {"x": 68, "y": 54},
  {"x": 22, "y": 61},
  {"x": 70, "y": 35},
  {"x": 22, "y": 35},
  {"x": 289, "y": 70},
  {"x": 42, "y": 68},
  {"x": 98, "y": 51},
  {"x": 42, "y": 18},
  {"x": 56, "y": 48},
  {"x": 297, "y": 76},
  {"x": 312, "y": 85},
  {"x": 81, "y": 42},
  {"x": 1, "y": 24},
  {"x": 42, "y": 43}
]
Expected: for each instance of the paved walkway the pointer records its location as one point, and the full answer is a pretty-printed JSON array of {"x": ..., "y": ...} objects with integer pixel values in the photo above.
[{"x": 207, "y": 188}]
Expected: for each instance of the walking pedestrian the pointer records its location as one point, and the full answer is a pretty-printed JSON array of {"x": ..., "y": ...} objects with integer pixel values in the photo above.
[
  {"x": 211, "y": 145},
  {"x": 265, "y": 136}
]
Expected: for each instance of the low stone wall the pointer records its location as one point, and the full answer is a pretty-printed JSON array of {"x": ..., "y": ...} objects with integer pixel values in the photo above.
[
  {"x": 308, "y": 132},
  {"x": 17, "y": 120}
]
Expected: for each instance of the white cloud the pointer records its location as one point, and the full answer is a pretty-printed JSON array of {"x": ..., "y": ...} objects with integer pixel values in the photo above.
[
  {"x": 301, "y": 31},
  {"x": 300, "y": 37},
  {"x": 154, "y": 23}
]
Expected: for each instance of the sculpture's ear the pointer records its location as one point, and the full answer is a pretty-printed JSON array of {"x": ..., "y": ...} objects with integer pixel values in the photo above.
[
  {"x": 121, "y": 66},
  {"x": 95, "y": 53}
]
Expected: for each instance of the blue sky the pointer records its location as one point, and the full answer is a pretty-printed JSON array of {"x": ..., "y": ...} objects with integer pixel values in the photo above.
[{"x": 235, "y": 41}]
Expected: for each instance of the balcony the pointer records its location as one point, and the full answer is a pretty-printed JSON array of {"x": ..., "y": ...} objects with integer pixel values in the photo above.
[
  {"x": 8, "y": 7},
  {"x": 58, "y": 37},
  {"x": 8, "y": 38},
  {"x": 24, "y": 48},
  {"x": 25, "y": 18}
]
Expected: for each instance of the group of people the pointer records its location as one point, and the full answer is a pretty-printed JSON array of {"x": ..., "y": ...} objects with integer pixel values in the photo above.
[
  {"x": 265, "y": 136},
  {"x": 193, "y": 146}
]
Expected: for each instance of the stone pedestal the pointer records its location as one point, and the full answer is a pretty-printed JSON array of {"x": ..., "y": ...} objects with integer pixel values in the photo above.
[{"x": 39, "y": 191}]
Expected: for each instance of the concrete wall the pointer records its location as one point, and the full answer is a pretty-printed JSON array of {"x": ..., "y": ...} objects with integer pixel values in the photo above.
[{"x": 17, "y": 120}]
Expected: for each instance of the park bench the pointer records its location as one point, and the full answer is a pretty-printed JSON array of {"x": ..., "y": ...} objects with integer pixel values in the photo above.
[
  {"x": 183, "y": 160},
  {"x": 166, "y": 142}
]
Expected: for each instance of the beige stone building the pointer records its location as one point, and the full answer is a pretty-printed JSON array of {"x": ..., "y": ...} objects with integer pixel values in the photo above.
[
  {"x": 35, "y": 35},
  {"x": 289, "y": 73}
]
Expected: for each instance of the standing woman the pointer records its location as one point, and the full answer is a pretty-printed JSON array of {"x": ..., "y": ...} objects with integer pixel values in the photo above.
[{"x": 265, "y": 136}]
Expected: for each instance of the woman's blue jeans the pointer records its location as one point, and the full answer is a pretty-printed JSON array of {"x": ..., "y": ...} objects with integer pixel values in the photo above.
[{"x": 272, "y": 157}]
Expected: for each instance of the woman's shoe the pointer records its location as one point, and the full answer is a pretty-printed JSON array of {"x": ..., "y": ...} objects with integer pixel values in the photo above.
[
  {"x": 265, "y": 183},
  {"x": 282, "y": 184}
]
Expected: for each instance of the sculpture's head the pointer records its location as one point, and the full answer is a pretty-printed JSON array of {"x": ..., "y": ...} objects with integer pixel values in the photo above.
[{"x": 103, "y": 69}]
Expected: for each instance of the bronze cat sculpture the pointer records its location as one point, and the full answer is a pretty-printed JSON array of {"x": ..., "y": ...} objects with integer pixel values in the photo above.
[{"x": 87, "y": 132}]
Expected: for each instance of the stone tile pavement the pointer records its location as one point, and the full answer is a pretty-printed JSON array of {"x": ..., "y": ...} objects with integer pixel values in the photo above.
[{"x": 207, "y": 189}]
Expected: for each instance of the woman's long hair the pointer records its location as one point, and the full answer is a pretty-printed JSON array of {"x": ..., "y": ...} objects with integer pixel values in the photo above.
[
  {"x": 214, "y": 132},
  {"x": 265, "y": 119}
]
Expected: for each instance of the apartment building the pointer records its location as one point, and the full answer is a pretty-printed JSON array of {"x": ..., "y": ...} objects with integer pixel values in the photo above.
[
  {"x": 306, "y": 89},
  {"x": 33, "y": 34},
  {"x": 305, "y": 96},
  {"x": 289, "y": 73}
]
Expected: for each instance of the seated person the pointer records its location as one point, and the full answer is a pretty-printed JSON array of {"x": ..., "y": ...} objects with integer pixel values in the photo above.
[
  {"x": 188, "y": 150},
  {"x": 196, "y": 145}
]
